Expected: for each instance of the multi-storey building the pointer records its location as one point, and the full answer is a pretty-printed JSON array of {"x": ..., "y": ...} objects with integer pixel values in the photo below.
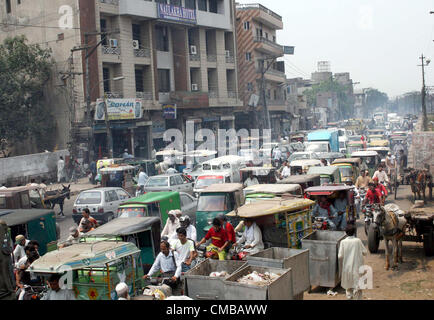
[
  {"x": 153, "y": 54},
  {"x": 257, "y": 45}
]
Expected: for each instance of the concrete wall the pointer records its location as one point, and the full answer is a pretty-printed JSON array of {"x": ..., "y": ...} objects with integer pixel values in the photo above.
[{"x": 19, "y": 170}]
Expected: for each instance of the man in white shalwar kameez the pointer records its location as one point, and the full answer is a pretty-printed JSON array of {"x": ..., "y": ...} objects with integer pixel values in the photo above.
[
  {"x": 252, "y": 238},
  {"x": 351, "y": 252}
]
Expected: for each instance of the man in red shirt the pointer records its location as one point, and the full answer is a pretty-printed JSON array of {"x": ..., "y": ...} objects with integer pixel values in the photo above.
[
  {"x": 219, "y": 239},
  {"x": 373, "y": 195},
  {"x": 230, "y": 231},
  {"x": 380, "y": 187}
]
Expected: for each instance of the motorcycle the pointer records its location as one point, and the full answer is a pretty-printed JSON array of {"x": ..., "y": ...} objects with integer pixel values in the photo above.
[
  {"x": 320, "y": 223},
  {"x": 239, "y": 254},
  {"x": 359, "y": 200},
  {"x": 29, "y": 293}
]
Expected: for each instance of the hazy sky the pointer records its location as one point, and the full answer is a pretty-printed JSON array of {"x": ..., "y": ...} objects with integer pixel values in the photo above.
[{"x": 378, "y": 41}]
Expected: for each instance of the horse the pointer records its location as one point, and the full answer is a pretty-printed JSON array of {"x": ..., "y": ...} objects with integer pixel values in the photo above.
[
  {"x": 392, "y": 228},
  {"x": 418, "y": 182},
  {"x": 65, "y": 193}
]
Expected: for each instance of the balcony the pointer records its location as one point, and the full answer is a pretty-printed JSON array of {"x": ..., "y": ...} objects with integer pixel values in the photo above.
[
  {"x": 194, "y": 57},
  {"x": 274, "y": 75},
  {"x": 211, "y": 58},
  {"x": 114, "y": 95},
  {"x": 232, "y": 94},
  {"x": 269, "y": 47},
  {"x": 142, "y": 53},
  {"x": 277, "y": 105},
  {"x": 265, "y": 16},
  {"x": 110, "y": 7},
  {"x": 145, "y": 95},
  {"x": 230, "y": 58},
  {"x": 111, "y": 50}
]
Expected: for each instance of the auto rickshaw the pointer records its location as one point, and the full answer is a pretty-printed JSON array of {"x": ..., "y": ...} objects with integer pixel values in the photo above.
[
  {"x": 330, "y": 156},
  {"x": 332, "y": 193},
  {"x": 382, "y": 151},
  {"x": 264, "y": 174},
  {"x": 376, "y": 131},
  {"x": 34, "y": 224},
  {"x": 143, "y": 232},
  {"x": 215, "y": 199},
  {"x": 283, "y": 222},
  {"x": 298, "y": 138},
  {"x": 302, "y": 166},
  {"x": 93, "y": 269},
  {"x": 271, "y": 191},
  {"x": 120, "y": 176},
  {"x": 305, "y": 181},
  {"x": 349, "y": 168},
  {"x": 22, "y": 198},
  {"x": 353, "y": 146},
  {"x": 379, "y": 143},
  {"x": 376, "y": 137},
  {"x": 398, "y": 140},
  {"x": 328, "y": 174},
  {"x": 153, "y": 204},
  {"x": 370, "y": 160}
]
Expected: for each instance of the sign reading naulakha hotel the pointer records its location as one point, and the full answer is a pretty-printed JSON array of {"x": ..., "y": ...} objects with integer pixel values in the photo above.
[{"x": 175, "y": 13}]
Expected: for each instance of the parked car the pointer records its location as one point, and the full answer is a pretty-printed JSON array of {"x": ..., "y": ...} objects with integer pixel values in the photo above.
[
  {"x": 102, "y": 203},
  {"x": 169, "y": 182}
]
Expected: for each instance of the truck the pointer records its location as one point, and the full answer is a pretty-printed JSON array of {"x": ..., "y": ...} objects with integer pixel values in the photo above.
[{"x": 323, "y": 141}]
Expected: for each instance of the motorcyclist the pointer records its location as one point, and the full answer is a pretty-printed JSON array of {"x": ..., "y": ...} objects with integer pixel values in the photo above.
[
  {"x": 373, "y": 195},
  {"x": 381, "y": 188}
]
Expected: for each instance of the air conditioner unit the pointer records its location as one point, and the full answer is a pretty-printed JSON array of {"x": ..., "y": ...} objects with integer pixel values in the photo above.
[
  {"x": 136, "y": 44},
  {"x": 228, "y": 53},
  {"x": 193, "y": 50},
  {"x": 113, "y": 43},
  {"x": 194, "y": 87}
]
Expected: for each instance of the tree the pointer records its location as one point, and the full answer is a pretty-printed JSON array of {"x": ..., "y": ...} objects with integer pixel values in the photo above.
[
  {"x": 375, "y": 99},
  {"x": 25, "y": 73}
]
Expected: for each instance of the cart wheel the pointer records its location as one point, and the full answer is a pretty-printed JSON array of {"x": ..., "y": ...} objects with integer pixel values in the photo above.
[
  {"x": 373, "y": 240},
  {"x": 428, "y": 244}
]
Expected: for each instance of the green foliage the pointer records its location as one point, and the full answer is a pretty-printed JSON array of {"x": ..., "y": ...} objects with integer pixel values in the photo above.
[
  {"x": 345, "y": 99},
  {"x": 375, "y": 99},
  {"x": 25, "y": 72}
]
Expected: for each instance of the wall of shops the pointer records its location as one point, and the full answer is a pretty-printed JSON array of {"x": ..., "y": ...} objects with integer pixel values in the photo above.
[
  {"x": 19, "y": 170},
  {"x": 422, "y": 150}
]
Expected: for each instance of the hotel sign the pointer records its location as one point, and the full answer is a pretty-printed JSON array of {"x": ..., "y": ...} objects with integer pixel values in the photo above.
[{"x": 176, "y": 14}]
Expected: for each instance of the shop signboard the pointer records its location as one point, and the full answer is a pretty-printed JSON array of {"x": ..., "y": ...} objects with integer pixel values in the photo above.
[
  {"x": 119, "y": 109},
  {"x": 175, "y": 13},
  {"x": 169, "y": 111}
]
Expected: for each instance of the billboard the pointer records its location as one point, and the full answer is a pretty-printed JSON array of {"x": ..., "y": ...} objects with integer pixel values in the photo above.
[
  {"x": 169, "y": 111},
  {"x": 119, "y": 109},
  {"x": 176, "y": 14}
]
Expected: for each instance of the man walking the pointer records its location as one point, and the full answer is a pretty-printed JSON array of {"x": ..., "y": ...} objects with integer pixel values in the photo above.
[
  {"x": 60, "y": 169},
  {"x": 351, "y": 252}
]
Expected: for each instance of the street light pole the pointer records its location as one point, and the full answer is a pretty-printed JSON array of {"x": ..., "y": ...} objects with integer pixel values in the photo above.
[{"x": 425, "y": 62}]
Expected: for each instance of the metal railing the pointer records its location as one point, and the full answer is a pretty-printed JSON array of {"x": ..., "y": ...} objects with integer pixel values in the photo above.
[
  {"x": 115, "y": 2},
  {"x": 213, "y": 92},
  {"x": 142, "y": 53},
  {"x": 194, "y": 57},
  {"x": 276, "y": 72},
  {"x": 247, "y": 6},
  {"x": 110, "y": 50},
  {"x": 144, "y": 95},
  {"x": 211, "y": 58},
  {"x": 114, "y": 95},
  {"x": 230, "y": 59},
  {"x": 269, "y": 42}
]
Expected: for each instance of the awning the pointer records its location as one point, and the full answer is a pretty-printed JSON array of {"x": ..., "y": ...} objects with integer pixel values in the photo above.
[{"x": 227, "y": 118}]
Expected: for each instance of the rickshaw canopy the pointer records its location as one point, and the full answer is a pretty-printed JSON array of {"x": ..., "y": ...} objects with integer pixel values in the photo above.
[
  {"x": 269, "y": 207},
  {"x": 305, "y": 163},
  {"x": 299, "y": 179},
  {"x": 116, "y": 168},
  {"x": 21, "y": 216},
  {"x": 224, "y": 187},
  {"x": 360, "y": 154},
  {"x": 272, "y": 188},
  {"x": 328, "y": 170},
  {"x": 352, "y": 161},
  {"x": 124, "y": 227},
  {"x": 82, "y": 256},
  {"x": 327, "y": 190}
]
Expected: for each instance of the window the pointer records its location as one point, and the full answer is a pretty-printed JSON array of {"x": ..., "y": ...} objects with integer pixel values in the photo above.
[
  {"x": 111, "y": 196},
  {"x": 246, "y": 25},
  {"x": 122, "y": 195},
  {"x": 179, "y": 180},
  {"x": 162, "y": 36},
  {"x": 139, "y": 80},
  {"x": 137, "y": 32},
  {"x": 173, "y": 181},
  {"x": 213, "y": 6},
  {"x": 249, "y": 86},
  {"x": 190, "y": 4},
  {"x": 103, "y": 26},
  {"x": 106, "y": 79},
  {"x": 266, "y": 35},
  {"x": 164, "y": 80},
  {"x": 93, "y": 197},
  {"x": 157, "y": 182},
  {"x": 185, "y": 200},
  {"x": 176, "y": 3},
  {"x": 8, "y": 6},
  {"x": 274, "y": 38},
  {"x": 248, "y": 56},
  {"x": 259, "y": 33},
  {"x": 201, "y": 4}
]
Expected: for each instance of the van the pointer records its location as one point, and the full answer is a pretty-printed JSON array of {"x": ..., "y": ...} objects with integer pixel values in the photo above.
[
  {"x": 230, "y": 165},
  {"x": 206, "y": 180}
]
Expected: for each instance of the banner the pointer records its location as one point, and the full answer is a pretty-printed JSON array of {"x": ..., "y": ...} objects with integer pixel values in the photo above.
[
  {"x": 119, "y": 109},
  {"x": 169, "y": 111},
  {"x": 175, "y": 13}
]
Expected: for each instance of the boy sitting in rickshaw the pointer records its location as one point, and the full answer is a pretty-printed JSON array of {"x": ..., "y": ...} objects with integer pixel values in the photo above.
[{"x": 324, "y": 209}]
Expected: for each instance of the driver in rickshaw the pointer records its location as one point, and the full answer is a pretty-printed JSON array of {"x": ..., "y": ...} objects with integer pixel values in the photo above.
[
  {"x": 341, "y": 204},
  {"x": 251, "y": 238},
  {"x": 323, "y": 208}
]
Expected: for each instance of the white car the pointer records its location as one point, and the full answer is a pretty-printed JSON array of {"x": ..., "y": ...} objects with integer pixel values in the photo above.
[{"x": 102, "y": 203}]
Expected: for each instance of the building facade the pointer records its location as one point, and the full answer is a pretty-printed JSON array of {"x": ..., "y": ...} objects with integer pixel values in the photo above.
[
  {"x": 156, "y": 64},
  {"x": 257, "y": 51}
]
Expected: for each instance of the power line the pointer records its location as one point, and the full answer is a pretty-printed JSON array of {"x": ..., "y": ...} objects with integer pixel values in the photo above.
[{"x": 35, "y": 26}]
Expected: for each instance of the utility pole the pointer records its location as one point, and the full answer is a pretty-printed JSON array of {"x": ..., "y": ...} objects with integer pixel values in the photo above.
[
  {"x": 107, "y": 125},
  {"x": 88, "y": 51},
  {"x": 425, "y": 62},
  {"x": 266, "y": 121}
]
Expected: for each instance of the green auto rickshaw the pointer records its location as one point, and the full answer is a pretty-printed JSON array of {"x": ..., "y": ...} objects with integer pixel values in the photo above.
[
  {"x": 143, "y": 232},
  {"x": 328, "y": 174},
  {"x": 34, "y": 224},
  {"x": 215, "y": 199},
  {"x": 153, "y": 204},
  {"x": 93, "y": 269}
]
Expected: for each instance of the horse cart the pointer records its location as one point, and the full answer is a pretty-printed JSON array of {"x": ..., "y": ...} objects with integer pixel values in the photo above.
[{"x": 420, "y": 228}]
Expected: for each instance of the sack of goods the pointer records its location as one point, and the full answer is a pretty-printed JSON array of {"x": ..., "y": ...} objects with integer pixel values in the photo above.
[{"x": 259, "y": 279}]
